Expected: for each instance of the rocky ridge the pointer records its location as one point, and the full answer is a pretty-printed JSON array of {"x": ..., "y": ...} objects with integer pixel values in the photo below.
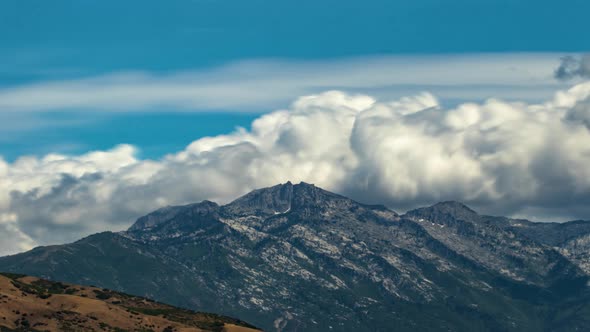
[{"x": 299, "y": 258}]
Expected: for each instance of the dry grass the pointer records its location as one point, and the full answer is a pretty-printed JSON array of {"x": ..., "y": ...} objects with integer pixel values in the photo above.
[{"x": 31, "y": 304}]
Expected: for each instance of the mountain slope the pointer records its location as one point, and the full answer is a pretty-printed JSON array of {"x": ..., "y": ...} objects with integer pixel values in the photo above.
[
  {"x": 299, "y": 258},
  {"x": 493, "y": 246},
  {"x": 32, "y": 304},
  {"x": 571, "y": 239}
]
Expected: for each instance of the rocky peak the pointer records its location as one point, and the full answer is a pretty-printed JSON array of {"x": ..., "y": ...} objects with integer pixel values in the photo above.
[
  {"x": 280, "y": 199},
  {"x": 167, "y": 213},
  {"x": 271, "y": 200},
  {"x": 453, "y": 207},
  {"x": 306, "y": 195},
  {"x": 445, "y": 213}
]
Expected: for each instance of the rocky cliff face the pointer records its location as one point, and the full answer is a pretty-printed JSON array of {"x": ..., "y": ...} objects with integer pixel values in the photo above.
[{"x": 299, "y": 258}]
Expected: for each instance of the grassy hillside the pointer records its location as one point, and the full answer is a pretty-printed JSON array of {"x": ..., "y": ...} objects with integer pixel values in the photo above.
[{"x": 33, "y": 304}]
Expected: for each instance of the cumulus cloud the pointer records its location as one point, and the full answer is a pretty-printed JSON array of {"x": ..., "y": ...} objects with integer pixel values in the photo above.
[
  {"x": 501, "y": 157},
  {"x": 573, "y": 67}
]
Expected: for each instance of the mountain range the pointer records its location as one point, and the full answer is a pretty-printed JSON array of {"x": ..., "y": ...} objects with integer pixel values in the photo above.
[{"x": 300, "y": 258}]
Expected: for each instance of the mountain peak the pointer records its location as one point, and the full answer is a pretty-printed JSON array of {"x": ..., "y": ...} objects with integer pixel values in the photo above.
[
  {"x": 453, "y": 206},
  {"x": 443, "y": 212},
  {"x": 166, "y": 213},
  {"x": 268, "y": 200},
  {"x": 280, "y": 198}
]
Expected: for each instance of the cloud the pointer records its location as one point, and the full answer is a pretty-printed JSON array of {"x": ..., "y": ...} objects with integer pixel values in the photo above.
[
  {"x": 12, "y": 238},
  {"x": 500, "y": 157},
  {"x": 261, "y": 85},
  {"x": 573, "y": 67}
]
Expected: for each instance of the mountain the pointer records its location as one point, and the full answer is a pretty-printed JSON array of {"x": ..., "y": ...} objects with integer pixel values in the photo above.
[
  {"x": 299, "y": 258},
  {"x": 33, "y": 304},
  {"x": 572, "y": 238}
]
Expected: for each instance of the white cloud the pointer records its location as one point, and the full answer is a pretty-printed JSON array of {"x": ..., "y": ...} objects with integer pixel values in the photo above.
[
  {"x": 501, "y": 157},
  {"x": 264, "y": 84}
]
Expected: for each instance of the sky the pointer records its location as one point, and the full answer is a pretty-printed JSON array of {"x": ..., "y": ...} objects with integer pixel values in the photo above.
[{"x": 110, "y": 109}]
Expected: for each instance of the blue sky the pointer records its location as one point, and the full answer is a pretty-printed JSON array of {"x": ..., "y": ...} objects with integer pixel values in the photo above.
[{"x": 60, "y": 40}]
